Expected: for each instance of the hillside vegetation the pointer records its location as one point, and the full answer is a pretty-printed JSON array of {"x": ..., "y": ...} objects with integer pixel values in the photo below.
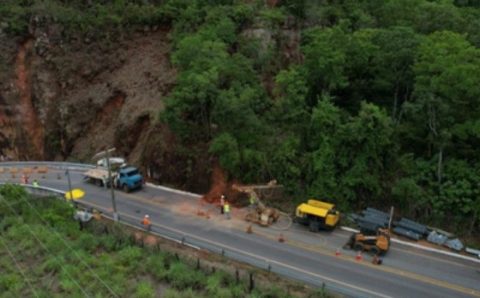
[{"x": 360, "y": 102}]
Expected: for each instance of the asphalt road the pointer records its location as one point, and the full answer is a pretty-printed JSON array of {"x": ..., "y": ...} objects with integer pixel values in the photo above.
[{"x": 304, "y": 256}]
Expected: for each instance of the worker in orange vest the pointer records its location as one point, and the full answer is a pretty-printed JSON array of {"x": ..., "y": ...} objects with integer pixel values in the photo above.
[{"x": 146, "y": 222}]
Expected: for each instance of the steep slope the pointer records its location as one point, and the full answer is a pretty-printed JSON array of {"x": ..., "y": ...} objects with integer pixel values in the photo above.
[{"x": 71, "y": 97}]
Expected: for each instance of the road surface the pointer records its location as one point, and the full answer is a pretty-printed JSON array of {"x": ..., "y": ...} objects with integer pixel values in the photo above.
[{"x": 304, "y": 256}]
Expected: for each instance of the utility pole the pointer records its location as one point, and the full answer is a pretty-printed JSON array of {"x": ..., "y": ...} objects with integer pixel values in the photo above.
[
  {"x": 67, "y": 172},
  {"x": 106, "y": 153},
  {"x": 390, "y": 219}
]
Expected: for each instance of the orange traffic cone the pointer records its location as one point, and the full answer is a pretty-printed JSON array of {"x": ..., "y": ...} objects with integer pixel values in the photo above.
[
  {"x": 281, "y": 238},
  {"x": 249, "y": 229},
  {"x": 359, "y": 256},
  {"x": 337, "y": 252}
]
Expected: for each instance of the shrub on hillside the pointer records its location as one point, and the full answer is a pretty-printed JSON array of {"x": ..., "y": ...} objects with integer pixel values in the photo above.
[
  {"x": 181, "y": 276},
  {"x": 144, "y": 290}
]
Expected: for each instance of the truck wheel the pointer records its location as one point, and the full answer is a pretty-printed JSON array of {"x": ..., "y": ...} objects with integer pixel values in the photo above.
[
  {"x": 99, "y": 183},
  {"x": 358, "y": 247},
  {"x": 270, "y": 220},
  {"x": 313, "y": 226},
  {"x": 375, "y": 251},
  {"x": 125, "y": 188}
]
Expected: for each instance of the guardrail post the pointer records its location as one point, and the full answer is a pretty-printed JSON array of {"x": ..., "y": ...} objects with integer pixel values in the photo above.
[{"x": 251, "y": 285}]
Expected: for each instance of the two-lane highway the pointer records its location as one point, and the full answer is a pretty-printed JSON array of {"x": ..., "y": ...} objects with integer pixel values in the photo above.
[{"x": 407, "y": 272}]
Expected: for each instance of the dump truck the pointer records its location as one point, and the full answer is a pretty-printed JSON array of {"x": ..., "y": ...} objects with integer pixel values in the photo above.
[
  {"x": 378, "y": 244},
  {"x": 126, "y": 178},
  {"x": 317, "y": 215}
]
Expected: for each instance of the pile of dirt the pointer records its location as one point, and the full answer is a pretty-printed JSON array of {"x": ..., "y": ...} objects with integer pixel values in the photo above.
[{"x": 220, "y": 186}]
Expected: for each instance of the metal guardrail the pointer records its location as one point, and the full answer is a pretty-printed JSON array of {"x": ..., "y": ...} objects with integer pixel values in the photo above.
[
  {"x": 213, "y": 247},
  {"x": 51, "y": 164}
]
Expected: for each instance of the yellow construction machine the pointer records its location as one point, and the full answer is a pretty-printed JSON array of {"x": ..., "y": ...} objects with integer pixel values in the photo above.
[
  {"x": 317, "y": 215},
  {"x": 375, "y": 244},
  {"x": 259, "y": 214}
]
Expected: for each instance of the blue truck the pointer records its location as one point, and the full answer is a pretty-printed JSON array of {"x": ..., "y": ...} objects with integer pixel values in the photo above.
[{"x": 126, "y": 178}]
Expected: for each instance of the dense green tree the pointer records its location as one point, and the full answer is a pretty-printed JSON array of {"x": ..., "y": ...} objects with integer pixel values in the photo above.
[
  {"x": 365, "y": 168},
  {"x": 393, "y": 68},
  {"x": 325, "y": 61},
  {"x": 447, "y": 89},
  {"x": 291, "y": 110},
  {"x": 324, "y": 141}
]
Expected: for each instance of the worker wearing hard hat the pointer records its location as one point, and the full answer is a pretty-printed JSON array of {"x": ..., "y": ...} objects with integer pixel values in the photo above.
[{"x": 146, "y": 222}]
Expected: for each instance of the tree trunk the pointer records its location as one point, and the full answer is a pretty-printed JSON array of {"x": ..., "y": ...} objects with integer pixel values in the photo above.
[
  {"x": 395, "y": 104},
  {"x": 439, "y": 166},
  {"x": 473, "y": 222}
]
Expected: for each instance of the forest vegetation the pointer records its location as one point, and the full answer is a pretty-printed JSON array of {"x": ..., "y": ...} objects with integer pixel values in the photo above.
[{"x": 360, "y": 102}]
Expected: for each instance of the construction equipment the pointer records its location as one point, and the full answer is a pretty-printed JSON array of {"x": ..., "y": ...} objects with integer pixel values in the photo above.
[
  {"x": 375, "y": 244},
  {"x": 260, "y": 214},
  {"x": 317, "y": 215}
]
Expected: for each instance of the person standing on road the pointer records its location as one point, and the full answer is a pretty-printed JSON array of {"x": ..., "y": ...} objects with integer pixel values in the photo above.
[
  {"x": 104, "y": 181},
  {"x": 147, "y": 223},
  {"x": 35, "y": 183},
  {"x": 222, "y": 203},
  {"x": 253, "y": 201},
  {"x": 226, "y": 209},
  {"x": 376, "y": 260}
]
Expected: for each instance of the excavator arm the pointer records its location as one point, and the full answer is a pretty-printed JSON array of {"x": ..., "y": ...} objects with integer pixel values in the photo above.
[{"x": 251, "y": 194}]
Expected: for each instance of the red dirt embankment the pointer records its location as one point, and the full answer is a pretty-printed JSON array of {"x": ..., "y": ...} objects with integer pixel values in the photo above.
[
  {"x": 219, "y": 186},
  {"x": 29, "y": 117}
]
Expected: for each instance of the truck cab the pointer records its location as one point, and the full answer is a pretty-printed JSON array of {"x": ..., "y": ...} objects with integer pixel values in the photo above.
[{"x": 128, "y": 178}]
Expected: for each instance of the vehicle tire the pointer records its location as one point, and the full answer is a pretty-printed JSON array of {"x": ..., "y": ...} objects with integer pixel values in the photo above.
[
  {"x": 125, "y": 188},
  {"x": 358, "y": 247},
  {"x": 313, "y": 226},
  {"x": 375, "y": 251},
  {"x": 98, "y": 183},
  {"x": 270, "y": 220}
]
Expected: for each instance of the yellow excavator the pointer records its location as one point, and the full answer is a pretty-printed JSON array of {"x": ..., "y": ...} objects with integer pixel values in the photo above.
[
  {"x": 260, "y": 214},
  {"x": 375, "y": 244}
]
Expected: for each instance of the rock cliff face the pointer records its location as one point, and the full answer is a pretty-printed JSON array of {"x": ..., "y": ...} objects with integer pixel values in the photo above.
[{"x": 69, "y": 97}]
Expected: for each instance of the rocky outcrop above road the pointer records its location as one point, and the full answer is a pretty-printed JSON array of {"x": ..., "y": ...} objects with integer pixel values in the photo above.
[{"x": 70, "y": 96}]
